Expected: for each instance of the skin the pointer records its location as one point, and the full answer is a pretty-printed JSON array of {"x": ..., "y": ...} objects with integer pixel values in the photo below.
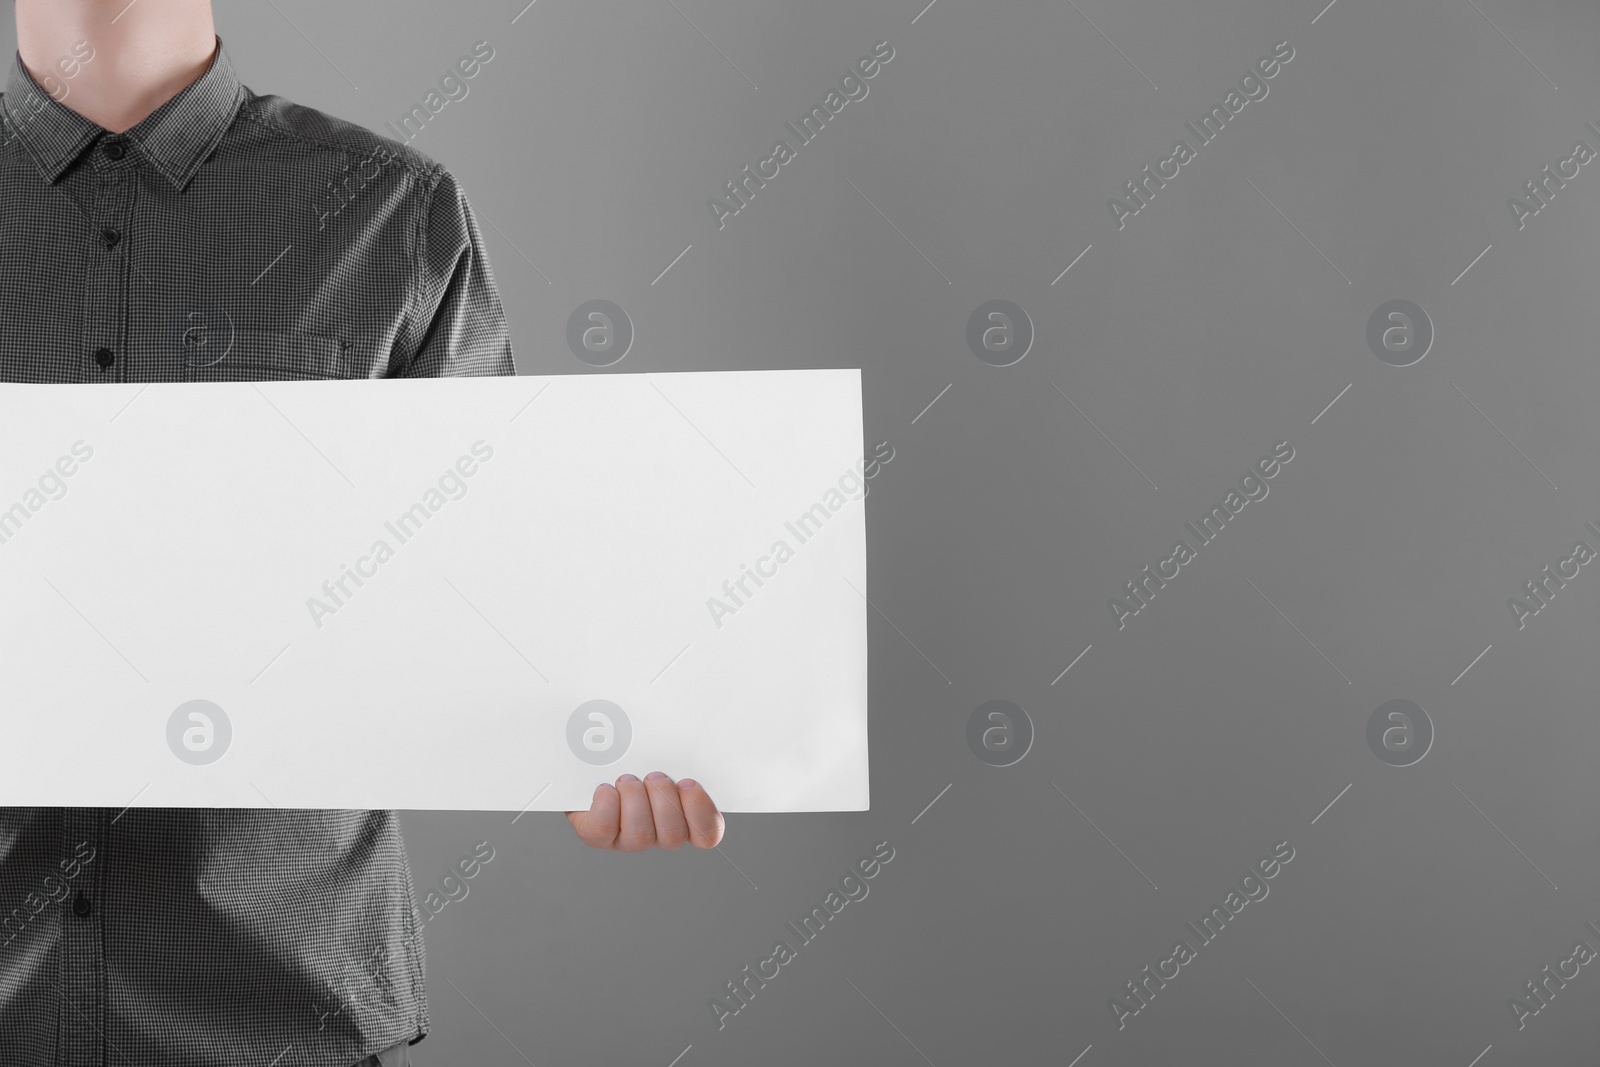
[
  {"x": 633, "y": 816},
  {"x": 145, "y": 53}
]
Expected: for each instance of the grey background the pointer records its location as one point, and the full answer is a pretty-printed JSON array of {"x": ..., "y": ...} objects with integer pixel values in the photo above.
[{"x": 1223, "y": 319}]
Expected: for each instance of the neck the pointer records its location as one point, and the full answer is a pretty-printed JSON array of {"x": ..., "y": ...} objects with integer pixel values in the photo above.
[{"x": 111, "y": 61}]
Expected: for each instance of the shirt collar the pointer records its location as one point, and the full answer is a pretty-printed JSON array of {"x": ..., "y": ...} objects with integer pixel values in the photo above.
[{"x": 175, "y": 138}]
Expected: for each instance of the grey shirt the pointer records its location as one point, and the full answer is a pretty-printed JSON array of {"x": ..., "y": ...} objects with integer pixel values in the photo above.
[{"x": 227, "y": 236}]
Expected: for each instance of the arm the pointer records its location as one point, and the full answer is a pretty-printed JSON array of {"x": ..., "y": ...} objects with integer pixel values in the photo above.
[
  {"x": 455, "y": 325},
  {"x": 458, "y": 327}
]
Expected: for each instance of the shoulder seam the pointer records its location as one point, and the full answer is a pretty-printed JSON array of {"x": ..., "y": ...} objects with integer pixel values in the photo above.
[{"x": 431, "y": 180}]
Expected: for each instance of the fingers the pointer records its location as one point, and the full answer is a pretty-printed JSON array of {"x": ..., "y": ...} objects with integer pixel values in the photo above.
[
  {"x": 637, "y": 830},
  {"x": 634, "y": 816},
  {"x": 706, "y": 825},
  {"x": 671, "y": 830},
  {"x": 598, "y": 827}
]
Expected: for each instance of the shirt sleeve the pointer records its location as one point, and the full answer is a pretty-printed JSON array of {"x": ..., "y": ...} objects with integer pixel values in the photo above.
[{"x": 457, "y": 325}]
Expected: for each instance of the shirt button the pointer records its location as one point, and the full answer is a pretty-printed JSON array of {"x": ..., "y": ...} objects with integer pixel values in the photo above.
[
  {"x": 81, "y": 906},
  {"x": 111, "y": 237},
  {"x": 105, "y": 357},
  {"x": 116, "y": 150}
]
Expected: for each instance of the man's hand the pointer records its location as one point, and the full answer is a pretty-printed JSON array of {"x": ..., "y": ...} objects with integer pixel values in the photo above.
[{"x": 655, "y": 813}]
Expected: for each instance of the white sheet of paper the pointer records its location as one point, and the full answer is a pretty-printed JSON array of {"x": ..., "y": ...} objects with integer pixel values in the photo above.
[{"x": 201, "y": 547}]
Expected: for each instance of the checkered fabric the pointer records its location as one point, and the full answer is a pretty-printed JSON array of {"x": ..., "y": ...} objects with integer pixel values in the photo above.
[{"x": 227, "y": 236}]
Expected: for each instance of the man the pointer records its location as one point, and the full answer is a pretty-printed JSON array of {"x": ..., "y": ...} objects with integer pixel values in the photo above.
[{"x": 161, "y": 222}]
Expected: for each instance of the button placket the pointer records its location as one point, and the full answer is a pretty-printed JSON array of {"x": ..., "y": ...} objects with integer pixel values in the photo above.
[
  {"x": 105, "y": 307},
  {"x": 82, "y": 974}
]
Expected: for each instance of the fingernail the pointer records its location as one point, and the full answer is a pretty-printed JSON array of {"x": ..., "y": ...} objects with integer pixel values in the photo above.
[
  {"x": 654, "y": 776},
  {"x": 604, "y": 785},
  {"x": 685, "y": 783},
  {"x": 627, "y": 778}
]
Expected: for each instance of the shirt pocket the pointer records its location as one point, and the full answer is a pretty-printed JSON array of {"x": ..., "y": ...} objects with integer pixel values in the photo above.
[{"x": 260, "y": 355}]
